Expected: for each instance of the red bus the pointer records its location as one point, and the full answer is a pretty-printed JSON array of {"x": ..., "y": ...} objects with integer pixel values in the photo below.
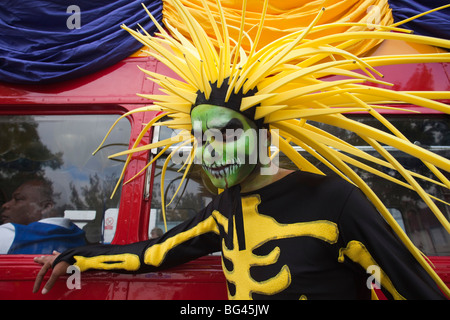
[{"x": 52, "y": 129}]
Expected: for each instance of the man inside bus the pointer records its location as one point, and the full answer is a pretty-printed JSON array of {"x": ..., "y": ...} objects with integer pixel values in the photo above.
[{"x": 33, "y": 225}]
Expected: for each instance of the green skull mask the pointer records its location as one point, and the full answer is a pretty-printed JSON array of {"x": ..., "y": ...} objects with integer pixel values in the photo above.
[{"x": 227, "y": 144}]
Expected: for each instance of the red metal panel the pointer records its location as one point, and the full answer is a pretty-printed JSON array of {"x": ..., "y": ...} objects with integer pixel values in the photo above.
[
  {"x": 417, "y": 76},
  {"x": 442, "y": 268},
  {"x": 117, "y": 84},
  {"x": 201, "y": 279},
  {"x": 113, "y": 90}
]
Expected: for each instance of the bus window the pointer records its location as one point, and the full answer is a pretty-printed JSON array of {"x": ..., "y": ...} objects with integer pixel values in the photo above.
[
  {"x": 433, "y": 133},
  {"x": 192, "y": 196},
  {"x": 408, "y": 209},
  {"x": 56, "y": 151}
]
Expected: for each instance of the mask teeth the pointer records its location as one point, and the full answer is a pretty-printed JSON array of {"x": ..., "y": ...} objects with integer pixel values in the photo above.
[{"x": 219, "y": 171}]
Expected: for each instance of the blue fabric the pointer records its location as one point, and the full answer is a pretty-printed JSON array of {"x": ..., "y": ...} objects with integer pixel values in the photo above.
[
  {"x": 43, "y": 238},
  {"x": 37, "y": 46},
  {"x": 436, "y": 24}
]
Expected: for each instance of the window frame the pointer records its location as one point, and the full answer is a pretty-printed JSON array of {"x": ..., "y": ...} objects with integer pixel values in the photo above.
[{"x": 133, "y": 206}]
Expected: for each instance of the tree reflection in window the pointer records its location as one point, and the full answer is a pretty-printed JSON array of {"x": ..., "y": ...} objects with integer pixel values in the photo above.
[{"x": 59, "y": 149}]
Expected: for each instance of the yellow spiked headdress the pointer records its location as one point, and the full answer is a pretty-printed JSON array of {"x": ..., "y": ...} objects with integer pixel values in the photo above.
[{"x": 284, "y": 84}]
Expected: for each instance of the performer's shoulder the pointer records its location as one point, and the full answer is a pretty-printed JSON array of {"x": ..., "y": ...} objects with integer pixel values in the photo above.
[{"x": 327, "y": 181}]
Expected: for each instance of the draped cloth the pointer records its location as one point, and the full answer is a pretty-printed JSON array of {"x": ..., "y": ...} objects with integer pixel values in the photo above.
[
  {"x": 40, "y": 41},
  {"x": 436, "y": 24}
]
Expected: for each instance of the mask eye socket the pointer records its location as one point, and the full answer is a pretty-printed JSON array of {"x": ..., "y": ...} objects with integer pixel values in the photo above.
[
  {"x": 232, "y": 131},
  {"x": 231, "y": 135}
]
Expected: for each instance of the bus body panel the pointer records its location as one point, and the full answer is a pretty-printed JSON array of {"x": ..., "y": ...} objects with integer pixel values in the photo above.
[{"x": 113, "y": 91}]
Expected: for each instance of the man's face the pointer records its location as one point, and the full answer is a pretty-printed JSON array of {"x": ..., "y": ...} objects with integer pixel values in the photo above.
[
  {"x": 25, "y": 207},
  {"x": 227, "y": 144}
]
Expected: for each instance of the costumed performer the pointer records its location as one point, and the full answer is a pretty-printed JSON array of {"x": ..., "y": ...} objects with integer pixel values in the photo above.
[{"x": 283, "y": 234}]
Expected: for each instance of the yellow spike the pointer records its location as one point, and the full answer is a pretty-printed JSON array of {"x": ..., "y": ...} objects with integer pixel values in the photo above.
[
  {"x": 142, "y": 109},
  {"x": 307, "y": 113},
  {"x": 263, "y": 71},
  {"x": 411, "y": 182},
  {"x": 305, "y": 99},
  {"x": 163, "y": 151},
  {"x": 160, "y": 28},
  {"x": 251, "y": 101},
  {"x": 213, "y": 23},
  {"x": 189, "y": 164},
  {"x": 402, "y": 59},
  {"x": 195, "y": 73},
  {"x": 263, "y": 111},
  {"x": 205, "y": 81},
  {"x": 260, "y": 28},
  {"x": 291, "y": 94},
  {"x": 341, "y": 145},
  {"x": 238, "y": 45},
  {"x": 169, "y": 141},
  {"x": 185, "y": 43},
  {"x": 298, "y": 74},
  {"x": 127, "y": 161},
  {"x": 381, "y": 174},
  {"x": 287, "y": 128},
  {"x": 165, "y": 56},
  {"x": 221, "y": 68},
  {"x": 179, "y": 107},
  {"x": 437, "y": 42},
  {"x": 395, "y": 131},
  {"x": 180, "y": 121},
  {"x": 187, "y": 92},
  {"x": 231, "y": 84},
  {"x": 181, "y": 127},
  {"x": 293, "y": 55},
  {"x": 204, "y": 46},
  {"x": 163, "y": 174},
  {"x": 295, "y": 156},
  {"x": 318, "y": 54},
  {"x": 403, "y": 97},
  {"x": 226, "y": 37},
  {"x": 166, "y": 79},
  {"x": 160, "y": 99},
  {"x": 183, "y": 71},
  {"x": 338, "y": 144},
  {"x": 187, "y": 95},
  {"x": 387, "y": 139},
  {"x": 364, "y": 25}
]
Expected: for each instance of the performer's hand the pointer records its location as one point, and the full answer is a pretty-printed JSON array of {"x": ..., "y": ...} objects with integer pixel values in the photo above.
[{"x": 47, "y": 262}]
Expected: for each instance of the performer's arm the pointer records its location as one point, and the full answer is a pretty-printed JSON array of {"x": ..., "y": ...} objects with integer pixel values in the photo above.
[
  {"x": 370, "y": 242},
  {"x": 192, "y": 239}
]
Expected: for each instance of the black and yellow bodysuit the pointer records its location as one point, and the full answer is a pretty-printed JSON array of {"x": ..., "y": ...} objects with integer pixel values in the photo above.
[{"x": 305, "y": 236}]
